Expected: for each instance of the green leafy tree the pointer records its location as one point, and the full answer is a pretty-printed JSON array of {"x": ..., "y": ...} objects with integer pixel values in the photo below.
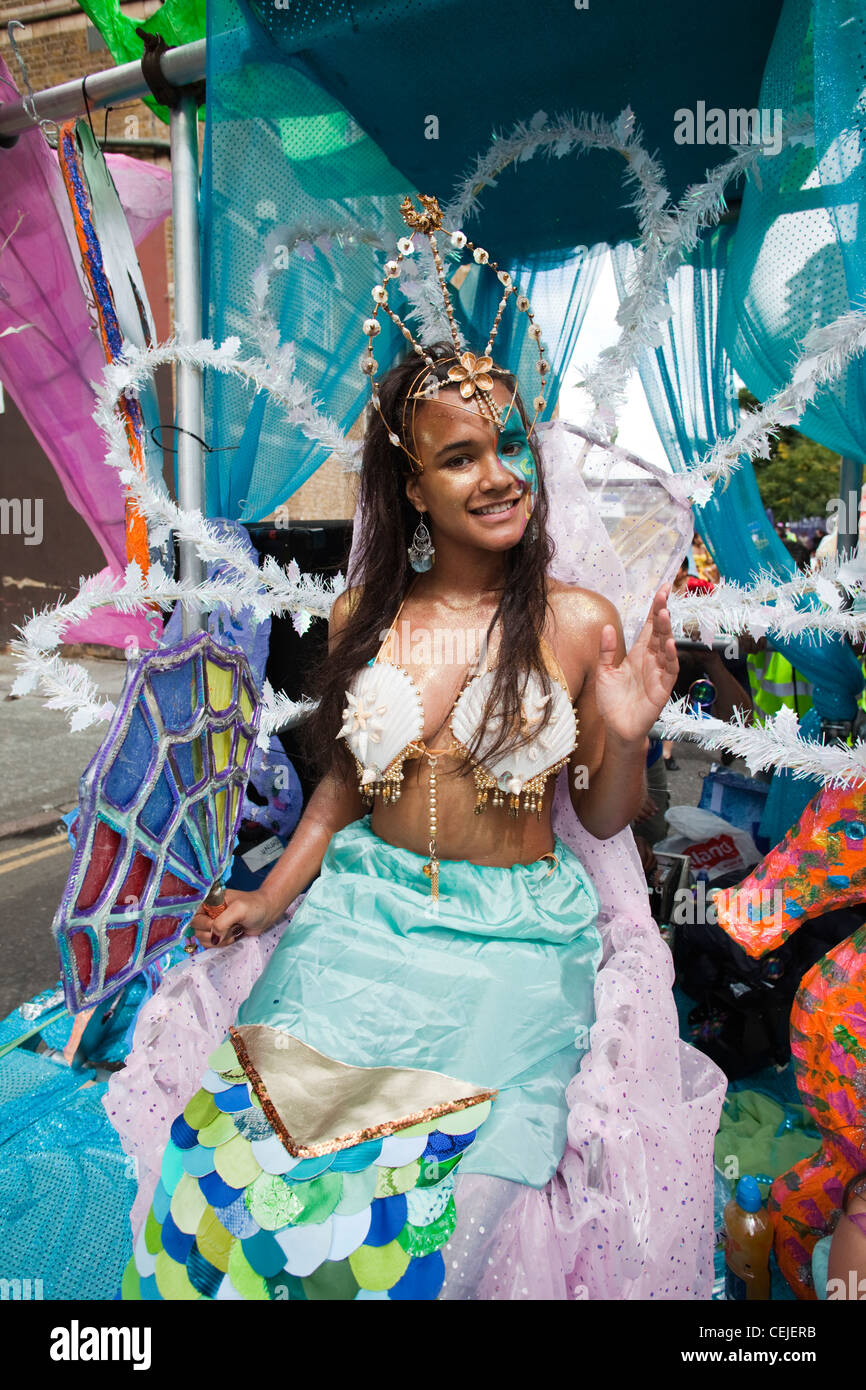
[{"x": 799, "y": 477}]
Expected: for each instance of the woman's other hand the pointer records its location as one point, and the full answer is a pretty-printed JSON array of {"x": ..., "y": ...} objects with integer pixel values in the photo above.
[
  {"x": 245, "y": 914},
  {"x": 630, "y": 696},
  {"x": 647, "y": 810}
]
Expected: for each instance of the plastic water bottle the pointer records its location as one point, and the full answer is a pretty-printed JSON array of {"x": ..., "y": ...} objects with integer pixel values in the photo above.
[{"x": 748, "y": 1240}]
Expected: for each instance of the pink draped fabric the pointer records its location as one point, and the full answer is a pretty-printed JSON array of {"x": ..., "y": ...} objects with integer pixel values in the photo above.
[
  {"x": 47, "y": 368},
  {"x": 629, "y": 1213}
]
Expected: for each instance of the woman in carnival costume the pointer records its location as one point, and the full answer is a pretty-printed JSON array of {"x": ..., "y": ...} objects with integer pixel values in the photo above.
[{"x": 432, "y": 1090}]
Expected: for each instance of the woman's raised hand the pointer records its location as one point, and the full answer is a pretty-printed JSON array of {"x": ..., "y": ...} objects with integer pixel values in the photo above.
[
  {"x": 245, "y": 914},
  {"x": 631, "y": 696}
]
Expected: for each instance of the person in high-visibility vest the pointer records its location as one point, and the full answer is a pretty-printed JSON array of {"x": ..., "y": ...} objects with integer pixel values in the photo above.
[{"x": 775, "y": 683}]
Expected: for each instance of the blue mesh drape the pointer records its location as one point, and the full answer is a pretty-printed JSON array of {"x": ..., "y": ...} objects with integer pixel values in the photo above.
[
  {"x": 560, "y": 296},
  {"x": 280, "y": 156},
  {"x": 799, "y": 259},
  {"x": 689, "y": 385},
  {"x": 840, "y": 135}
]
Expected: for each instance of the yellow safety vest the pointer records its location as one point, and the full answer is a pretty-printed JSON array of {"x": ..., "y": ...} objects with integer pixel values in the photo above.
[{"x": 776, "y": 683}]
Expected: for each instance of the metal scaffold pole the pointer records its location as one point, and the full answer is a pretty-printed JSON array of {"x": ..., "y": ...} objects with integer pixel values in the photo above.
[
  {"x": 187, "y": 327},
  {"x": 180, "y": 67}
]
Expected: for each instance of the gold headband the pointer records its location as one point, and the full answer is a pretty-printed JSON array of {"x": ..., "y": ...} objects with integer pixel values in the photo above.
[
  {"x": 424, "y": 393},
  {"x": 473, "y": 373}
]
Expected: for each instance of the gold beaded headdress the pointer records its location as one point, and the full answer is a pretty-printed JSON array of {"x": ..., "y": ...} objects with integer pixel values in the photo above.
[{"x": 472, "y": 372}]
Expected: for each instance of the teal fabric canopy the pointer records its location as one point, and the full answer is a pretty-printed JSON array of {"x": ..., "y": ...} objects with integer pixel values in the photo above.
[
  {"x": 479, "y": 67},
  {"x": 294, "y": 190},
  {"x": 283, "y": 160}
]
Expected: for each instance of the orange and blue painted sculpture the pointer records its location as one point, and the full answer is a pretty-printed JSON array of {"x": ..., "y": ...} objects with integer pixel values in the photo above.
[
  {"x": 110, "y": 267},
  {"x": 818, "y": 866}
]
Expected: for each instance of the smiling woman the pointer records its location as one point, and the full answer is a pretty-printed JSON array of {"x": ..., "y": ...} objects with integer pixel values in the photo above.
[{"x": 434, "y": 994}]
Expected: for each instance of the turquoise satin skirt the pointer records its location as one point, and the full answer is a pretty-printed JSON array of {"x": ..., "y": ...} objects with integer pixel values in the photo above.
[{"x": 496, "y": 988}]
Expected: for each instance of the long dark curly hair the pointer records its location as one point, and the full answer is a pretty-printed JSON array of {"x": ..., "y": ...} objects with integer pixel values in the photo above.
[{"x": 382, "y": 573}]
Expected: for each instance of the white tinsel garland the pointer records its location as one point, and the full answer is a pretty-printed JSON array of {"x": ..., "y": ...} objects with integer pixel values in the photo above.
[
  {"x": 667, "y": 233},
  {"x": 420, "y": 284},
  {"x": 128, "y": 374},
  {"x": 776, "y": 744},
  {"x": 264, "y": 589},
  {"x": 279, "y": 712},
  {"x": 269, "y": 589},
  {"x": 770, "y": 605}
]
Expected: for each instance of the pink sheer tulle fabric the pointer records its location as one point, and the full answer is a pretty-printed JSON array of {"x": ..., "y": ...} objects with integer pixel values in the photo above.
[{"x": 629, "y": 1213}]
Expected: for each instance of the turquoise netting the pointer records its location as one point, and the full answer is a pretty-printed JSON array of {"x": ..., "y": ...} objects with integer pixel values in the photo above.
[
  {"x": 797, "y": 261},
  {"x": 840, "y": 127},
  {"x": 316, "y": 113},
  {"x": 280, "y": 155},
  {"x": 67, "y": 1186}
]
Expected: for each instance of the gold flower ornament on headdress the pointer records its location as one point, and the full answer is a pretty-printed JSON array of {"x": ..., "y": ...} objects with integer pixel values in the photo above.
[{"x": 472, "y": 371}]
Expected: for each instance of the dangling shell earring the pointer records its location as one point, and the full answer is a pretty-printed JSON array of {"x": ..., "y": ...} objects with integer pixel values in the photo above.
[{"x": 422, "y": 551}]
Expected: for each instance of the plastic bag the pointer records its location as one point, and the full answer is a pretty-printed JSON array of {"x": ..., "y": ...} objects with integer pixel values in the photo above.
[{"x": 712, "y": 844}]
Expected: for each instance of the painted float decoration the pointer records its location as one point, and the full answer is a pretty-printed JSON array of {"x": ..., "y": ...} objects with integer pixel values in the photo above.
[
  {"x": 818, "y": 866},
  {"x": 113, "y": 277}
]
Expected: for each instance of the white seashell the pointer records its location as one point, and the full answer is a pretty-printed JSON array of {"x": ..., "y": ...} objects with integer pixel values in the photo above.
[
  {"x": 549, "y": 747},
  {"x": 383, "y": 715}
]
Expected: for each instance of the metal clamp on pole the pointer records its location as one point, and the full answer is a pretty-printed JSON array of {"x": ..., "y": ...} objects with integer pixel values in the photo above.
[
  {"x": 183, "y": 102},
  {"x": 151, "y": 66}
]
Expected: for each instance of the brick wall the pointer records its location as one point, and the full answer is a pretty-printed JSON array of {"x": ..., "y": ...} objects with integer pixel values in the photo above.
[{"x": 59, "y": 43}]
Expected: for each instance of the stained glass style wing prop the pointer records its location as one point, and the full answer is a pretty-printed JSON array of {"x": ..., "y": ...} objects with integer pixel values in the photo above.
[{"x": 159, "y": 809}]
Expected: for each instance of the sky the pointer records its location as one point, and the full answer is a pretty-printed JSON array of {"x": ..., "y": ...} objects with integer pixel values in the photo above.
[{"x": 636, "y": 429}]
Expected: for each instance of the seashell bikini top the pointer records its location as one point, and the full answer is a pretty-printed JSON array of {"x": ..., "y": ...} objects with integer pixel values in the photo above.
[{"x": 383, "y": 724}]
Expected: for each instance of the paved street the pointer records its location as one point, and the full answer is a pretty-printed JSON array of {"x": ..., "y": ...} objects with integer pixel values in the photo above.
[
  {"x": 42, "y": 762},
  {"x": 41, "y": 759},
  {"x": 33, "y": 871}
]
